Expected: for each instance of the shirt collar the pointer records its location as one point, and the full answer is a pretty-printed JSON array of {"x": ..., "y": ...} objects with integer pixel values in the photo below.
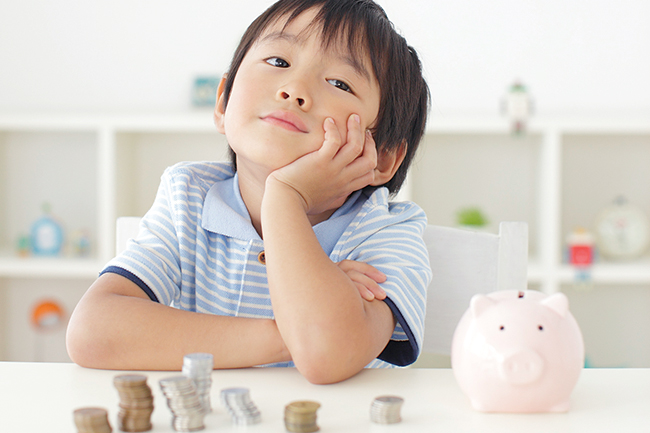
[{"x": 225, "y": 213}]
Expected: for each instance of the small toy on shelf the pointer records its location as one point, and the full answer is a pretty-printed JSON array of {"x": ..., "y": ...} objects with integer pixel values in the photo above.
[
  {"x": 204, "y": 91},
  {"x": 47, "y": 234},
  {"x": 23, "y": 245},
  {"x": 471, "y": 218},
  {"x": 580, "y": 254},
  {"x": 47, "y": 315},
  {"x": 518, "y": 106},
  {"x": 80, "y": 243}
]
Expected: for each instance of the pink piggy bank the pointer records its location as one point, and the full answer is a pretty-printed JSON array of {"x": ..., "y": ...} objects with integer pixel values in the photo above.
[{"x": 518, "y": 351}]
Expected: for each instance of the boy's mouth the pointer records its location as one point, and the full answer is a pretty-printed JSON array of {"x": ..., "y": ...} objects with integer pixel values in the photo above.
[{"x": 286, "y": 120}]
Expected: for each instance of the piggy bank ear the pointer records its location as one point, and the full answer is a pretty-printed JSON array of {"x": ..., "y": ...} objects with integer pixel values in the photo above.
[
  {"x": 479, "y": 304},
  {"x": 558, "y": 303}
]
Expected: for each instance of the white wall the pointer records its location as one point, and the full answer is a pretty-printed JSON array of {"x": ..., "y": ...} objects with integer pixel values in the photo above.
[{"x": 577, "y": 56}]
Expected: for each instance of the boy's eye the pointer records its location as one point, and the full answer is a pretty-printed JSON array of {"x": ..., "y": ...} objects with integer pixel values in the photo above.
[
  {"x": 340, "y": 84},
  {"x": 277, "y": 62}
]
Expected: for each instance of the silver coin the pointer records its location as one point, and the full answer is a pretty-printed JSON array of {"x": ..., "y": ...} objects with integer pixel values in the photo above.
[{"x": 386, "y": 409}]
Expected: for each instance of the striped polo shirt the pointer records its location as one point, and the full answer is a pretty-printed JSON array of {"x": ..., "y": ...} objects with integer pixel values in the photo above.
[{"x": 197, "y": 250}]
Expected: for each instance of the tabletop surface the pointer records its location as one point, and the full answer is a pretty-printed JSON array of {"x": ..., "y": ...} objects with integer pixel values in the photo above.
[{"x": 41, "y": 397}]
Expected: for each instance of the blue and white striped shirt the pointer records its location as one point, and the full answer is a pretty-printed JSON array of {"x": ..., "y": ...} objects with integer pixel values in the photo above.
[{"x": 197, "y": 250}]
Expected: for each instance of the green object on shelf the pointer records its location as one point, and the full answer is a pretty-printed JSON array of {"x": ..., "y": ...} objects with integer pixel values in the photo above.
[{"x": 471, "y": 217}]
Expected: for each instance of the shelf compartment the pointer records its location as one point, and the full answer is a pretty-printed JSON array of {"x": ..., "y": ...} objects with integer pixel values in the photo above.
[
  {"x": 614, "y": 322},
  {"x": 497, "y": 172},
  {"x": 597, "y": 168},
  {"x": 55, "y": 167}
]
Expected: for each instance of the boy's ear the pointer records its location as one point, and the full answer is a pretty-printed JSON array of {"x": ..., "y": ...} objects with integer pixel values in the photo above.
[
  {"x": 388, "y": 163},
  {"x": 219, "y": 109}
]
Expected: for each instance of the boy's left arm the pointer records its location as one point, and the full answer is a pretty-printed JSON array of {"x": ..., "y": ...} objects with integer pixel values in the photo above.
[{"x": 329, "y": 329}]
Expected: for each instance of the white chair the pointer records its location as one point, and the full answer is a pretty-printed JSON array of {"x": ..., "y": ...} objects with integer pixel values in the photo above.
[
  {"x": 463, "y": 263},
  {"x": 125, "y": 229}
]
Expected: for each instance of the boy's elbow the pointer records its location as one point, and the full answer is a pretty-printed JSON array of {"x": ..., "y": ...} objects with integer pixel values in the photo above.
[
  {"x": 323, "y": 368},
  {"x": 84, "y": 348},
  {"x": 320, "y": 374}
]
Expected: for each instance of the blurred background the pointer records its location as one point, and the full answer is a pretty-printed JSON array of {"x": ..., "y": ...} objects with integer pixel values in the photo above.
[
  {"x": 576, "y": 55},
  {"x": 540, "y": 113}
]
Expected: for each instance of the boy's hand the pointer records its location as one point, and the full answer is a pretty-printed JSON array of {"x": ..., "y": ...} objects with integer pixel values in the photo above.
[
  {"x": 366, "y": 277},
  {"x": 326, "y": 177}
]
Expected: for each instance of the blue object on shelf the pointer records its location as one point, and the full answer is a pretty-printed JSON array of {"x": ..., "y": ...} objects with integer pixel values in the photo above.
[
  {"x": 204, "y": 93},
  {"x": 46, "y": 236}
]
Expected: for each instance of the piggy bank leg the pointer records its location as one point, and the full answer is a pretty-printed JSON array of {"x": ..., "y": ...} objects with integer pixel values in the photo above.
[
  {"x": 480, "y": 406},
  {"x": 561, "y": 407}
]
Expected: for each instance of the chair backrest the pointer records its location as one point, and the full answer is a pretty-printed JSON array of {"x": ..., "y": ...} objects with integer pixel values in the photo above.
[
  {"x": 464, "y": 263},
  {"x": 126, "y": 228}
]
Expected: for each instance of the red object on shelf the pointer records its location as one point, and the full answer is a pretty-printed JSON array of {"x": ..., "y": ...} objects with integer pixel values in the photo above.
[{"x": 581, "y": 255}]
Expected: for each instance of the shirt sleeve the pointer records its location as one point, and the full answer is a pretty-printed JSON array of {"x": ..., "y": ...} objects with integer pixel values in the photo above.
[
  {"x": 392, "y": 242},
  {"x": 151, "y": 260}
]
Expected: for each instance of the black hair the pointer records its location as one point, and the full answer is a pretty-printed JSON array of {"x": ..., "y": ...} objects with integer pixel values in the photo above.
[{"x": 364, "y": 26}]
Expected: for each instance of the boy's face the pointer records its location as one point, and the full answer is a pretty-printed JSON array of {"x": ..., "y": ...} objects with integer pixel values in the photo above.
[{"x": 285, "y": 88}]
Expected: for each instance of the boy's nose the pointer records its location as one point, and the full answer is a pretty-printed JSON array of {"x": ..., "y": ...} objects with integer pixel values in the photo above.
[
  {"x": 295, "y": 93},
  {"x": 286, "y": 95}
]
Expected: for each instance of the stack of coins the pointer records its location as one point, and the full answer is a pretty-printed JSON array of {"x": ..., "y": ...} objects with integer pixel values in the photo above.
[
  {"x": 198, "y": 367},
  {"x": 136, "y": 402},
  {"x": 92, "y": 420},
  {"x": 386, "y": 409},
  {"x": 240, "y": 406},
  {"x": 300, "y": 416},
  {"x": 184, "y": 403}
]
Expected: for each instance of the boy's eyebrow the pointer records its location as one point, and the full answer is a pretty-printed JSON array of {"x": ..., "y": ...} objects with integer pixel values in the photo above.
[{"x": 296, "y": 39}]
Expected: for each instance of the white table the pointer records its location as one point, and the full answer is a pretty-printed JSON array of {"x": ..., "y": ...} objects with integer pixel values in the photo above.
[{"x": 40, "y": 397}]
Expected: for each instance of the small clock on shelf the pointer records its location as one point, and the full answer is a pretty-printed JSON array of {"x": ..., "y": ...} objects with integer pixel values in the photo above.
[{"x": 622, "y": 231}]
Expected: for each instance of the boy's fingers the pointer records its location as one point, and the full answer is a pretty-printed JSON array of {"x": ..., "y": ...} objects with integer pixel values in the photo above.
[
  {"x": 362, "y": 268},
  {"x": 365, "y": 292},
  {"x": 362, "y": 181},
  {"x": 370, "y": 148},
  {"x": 354, "y": 144},
  {"x": 364, "y": 166},
  {"x": 371, "y": 286},
  {"x": 366, "y": 278},
  {"x": 377, "y": 292},
  {"x": 332, "y": 142}
]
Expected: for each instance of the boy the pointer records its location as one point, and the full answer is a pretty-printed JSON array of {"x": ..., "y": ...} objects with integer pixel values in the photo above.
[{"x": 287, "y": 245}]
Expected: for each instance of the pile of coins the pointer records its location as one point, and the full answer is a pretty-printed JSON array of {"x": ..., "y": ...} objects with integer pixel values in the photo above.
[
  {"x": 136, "y": 402},
  {"x": 92, "y": 420},
  {"x": 300, "y": 416},
  {"x": 386, "y": 409},
  {"x": 198, "y": 367},
  {"x": 184, "y": 403},
  {"x": 240, "y": 406}
]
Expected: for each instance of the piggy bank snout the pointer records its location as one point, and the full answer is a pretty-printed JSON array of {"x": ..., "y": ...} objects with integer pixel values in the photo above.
[{"x": 521, "y": 367}]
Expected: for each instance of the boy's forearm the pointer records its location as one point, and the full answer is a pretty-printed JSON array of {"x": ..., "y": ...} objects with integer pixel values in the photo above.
[
  {"x": 114, "y": 331},
  {"x": 331, "y": 332}
]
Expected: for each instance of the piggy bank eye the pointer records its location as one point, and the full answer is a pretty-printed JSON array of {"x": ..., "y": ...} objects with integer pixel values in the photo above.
[
  {"x": 502, "y": 328},
  {"x": 540, "y": 327}
]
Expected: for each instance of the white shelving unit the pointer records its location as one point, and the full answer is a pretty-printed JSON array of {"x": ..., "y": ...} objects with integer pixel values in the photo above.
[{"x": 95, "y": 168}]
